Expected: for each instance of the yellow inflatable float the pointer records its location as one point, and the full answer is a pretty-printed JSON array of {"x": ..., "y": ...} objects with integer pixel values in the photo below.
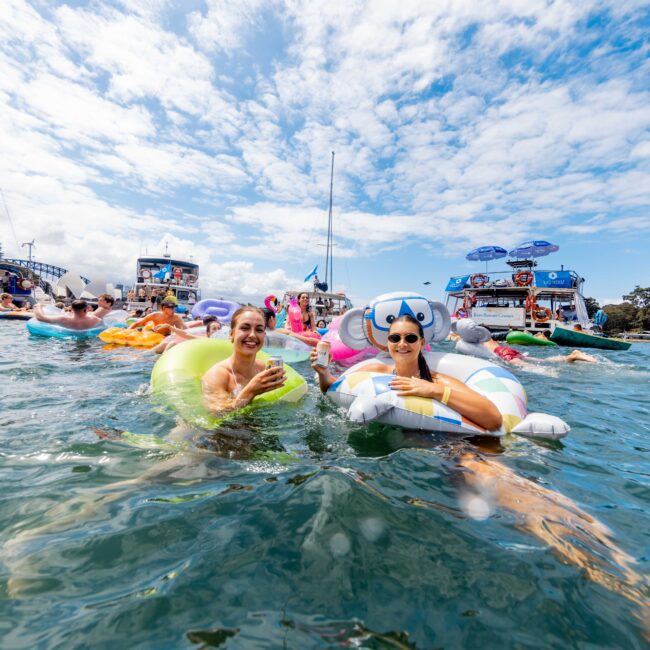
[{"x": 145, "y": 338}]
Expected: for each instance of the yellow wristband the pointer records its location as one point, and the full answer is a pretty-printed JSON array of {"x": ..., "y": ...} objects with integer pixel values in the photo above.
[{"x": 446, "y": 395}]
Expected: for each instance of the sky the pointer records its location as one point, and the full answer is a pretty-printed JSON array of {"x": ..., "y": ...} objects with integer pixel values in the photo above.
[{"x": 209, "y": 125}]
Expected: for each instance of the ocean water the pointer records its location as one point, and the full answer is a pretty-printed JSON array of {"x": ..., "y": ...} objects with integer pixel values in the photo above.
[{"x": 292, "y": 528}]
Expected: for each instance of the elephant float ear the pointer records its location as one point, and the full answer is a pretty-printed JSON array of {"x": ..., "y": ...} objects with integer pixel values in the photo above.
[
  {"x": 441, "y": 322},
  {"x": 351, "y": 329}
]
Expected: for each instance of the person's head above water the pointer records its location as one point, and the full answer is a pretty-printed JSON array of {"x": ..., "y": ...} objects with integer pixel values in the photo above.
[
  {"x": 247, "y": 330},
  {"x": 269, "y": 318},
  {"x": 79, "y": 306},
  {"x": 406, "y": 342}
]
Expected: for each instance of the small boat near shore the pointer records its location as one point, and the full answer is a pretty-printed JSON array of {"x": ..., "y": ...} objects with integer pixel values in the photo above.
[
  {"x": 572, "y": 338},
  {"x": 636, "y": 337}
]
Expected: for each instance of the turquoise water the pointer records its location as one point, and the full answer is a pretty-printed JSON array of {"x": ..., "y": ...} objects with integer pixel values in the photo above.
[{"x": 295, "y": 529}]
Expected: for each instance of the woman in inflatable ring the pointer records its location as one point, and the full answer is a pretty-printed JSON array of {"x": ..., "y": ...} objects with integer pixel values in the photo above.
[
  {"x": 235, "y": 381},
  {"x": 307, "y": 316},
  {"x": 413, "y": 377}
]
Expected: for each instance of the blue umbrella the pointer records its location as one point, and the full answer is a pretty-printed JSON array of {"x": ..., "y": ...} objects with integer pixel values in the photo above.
[
  {"x": 485, "y": 254},
  {"x": 600, "y": 318},
  {"x": 536, "y": 248}
]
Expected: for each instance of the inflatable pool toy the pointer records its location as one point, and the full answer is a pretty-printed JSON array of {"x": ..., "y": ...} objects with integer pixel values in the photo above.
[
  {"x": 222, "y": 309},
  {"x": 367, "y": 395},
  {"x": 524, "y": 338},
  {"x": 145, "y": 338},
  {"x": 363, "y": 327},
  {"x": 288, "y": 347},
  {"x": 341, "y": 353},
  {"x": 271, "y": 302},
  {"x": 176, "y": 381},
  {"x": 15, "y": 315},
  {"x": 294, "y": 314},
  {"x": 39, "y": 328}
]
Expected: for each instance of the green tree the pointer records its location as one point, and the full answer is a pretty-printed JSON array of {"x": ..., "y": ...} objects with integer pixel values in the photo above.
[
  {"x": 621, "y": 317},
  {"x": 592, "y": 306},
  {"x": 639, "y": 297}
]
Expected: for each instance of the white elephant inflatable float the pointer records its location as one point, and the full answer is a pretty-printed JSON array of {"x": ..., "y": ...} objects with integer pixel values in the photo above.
[{"x": 367, "y": 396}]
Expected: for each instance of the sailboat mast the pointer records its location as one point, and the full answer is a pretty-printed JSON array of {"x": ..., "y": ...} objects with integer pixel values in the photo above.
[{"x": 329, "y": 261}]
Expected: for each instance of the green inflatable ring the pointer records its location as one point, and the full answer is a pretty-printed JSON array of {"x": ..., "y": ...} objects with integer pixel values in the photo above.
[
  {"x": 524, "y": 338},
  {"x": 176, "y": 381}
]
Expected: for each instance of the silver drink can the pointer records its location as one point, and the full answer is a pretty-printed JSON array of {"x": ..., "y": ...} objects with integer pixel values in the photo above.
[
  {"x": 275, "y": 362},
  {"x": 323, "y": 354}
]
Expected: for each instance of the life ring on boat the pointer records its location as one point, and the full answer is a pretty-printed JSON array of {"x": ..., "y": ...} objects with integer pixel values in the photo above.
[
  {"x": 179, "y": 371},
  {"x": 146, "y": 274},
  {"x": 271, "y": 302},
  {"x": 541, "y": 314},
  {"x": 461, "y": 313},
  {"x": 25, "y": 284},
  {"x": 478, "y": 280},
  {"x": 523, "y": 278},
  {"x": 178, "y": 272}
]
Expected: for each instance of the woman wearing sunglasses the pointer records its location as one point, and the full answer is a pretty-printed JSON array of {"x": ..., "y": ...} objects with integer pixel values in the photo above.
[{"x": 413, "y": 377}]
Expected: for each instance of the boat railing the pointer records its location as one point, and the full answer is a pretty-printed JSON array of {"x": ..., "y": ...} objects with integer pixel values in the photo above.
[{"x": 523, "y": 279}]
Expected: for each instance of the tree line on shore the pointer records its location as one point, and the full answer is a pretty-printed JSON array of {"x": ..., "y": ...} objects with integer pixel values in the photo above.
[{"x": 632, "y": 315}]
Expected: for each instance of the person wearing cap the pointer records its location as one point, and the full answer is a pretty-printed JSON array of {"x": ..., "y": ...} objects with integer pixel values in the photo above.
[{"x": 162, "y": 320}]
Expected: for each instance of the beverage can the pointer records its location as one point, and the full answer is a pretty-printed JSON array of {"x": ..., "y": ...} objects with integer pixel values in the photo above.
[
  {"x": 323, "y": 354},
  {"x": 275, "y": 362}
]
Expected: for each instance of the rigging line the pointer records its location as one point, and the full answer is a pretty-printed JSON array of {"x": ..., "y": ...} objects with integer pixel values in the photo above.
[
  {"x": 330, "y": 233},
  {"x": 11, "y": 223}
]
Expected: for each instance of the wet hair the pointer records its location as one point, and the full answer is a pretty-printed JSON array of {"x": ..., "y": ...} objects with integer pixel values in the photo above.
[
  {"x": 108, "y": 298},
  {"x": 209, "y": 319},
  {"x": 268, "y": 315},
  {"x": 546, "y": 334},
  {"x": 78, "y": 305},
  {"x": 138, "y": 312},
  {"x": 59, "y": 305},
  {"x": 423, "y": 367},
  {"x": 240, "y": 312}
]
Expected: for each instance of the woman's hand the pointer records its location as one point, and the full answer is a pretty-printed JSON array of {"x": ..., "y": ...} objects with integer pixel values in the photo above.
[
  {"x": 416, "y": 387},
  {"x": 325, "y": 379},
  {"x": 265, "y": 381}
]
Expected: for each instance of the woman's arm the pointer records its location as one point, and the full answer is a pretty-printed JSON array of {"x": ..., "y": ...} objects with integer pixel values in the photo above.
[
  {"x": 455, "y": 394},
  {"x": 325, "y": 378}
]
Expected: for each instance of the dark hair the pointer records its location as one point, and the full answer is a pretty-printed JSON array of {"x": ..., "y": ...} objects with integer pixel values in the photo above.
[
  {"x": 423, "y": 367},
  {"x": 307, "y": 294},
  {"x": 139, "y": 312},
  {"x": 546, "y": 334},
  {"x": 210, "y": 319},
  {"x": 78, "y": 305},
  {"x": 268, "y": 315},
  {"x": 240, "y": 312},
  {"x": 108, "y": 298}
]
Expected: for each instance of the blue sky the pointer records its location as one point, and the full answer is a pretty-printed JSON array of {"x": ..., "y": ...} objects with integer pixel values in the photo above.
[{"x": 209, "y": 124}]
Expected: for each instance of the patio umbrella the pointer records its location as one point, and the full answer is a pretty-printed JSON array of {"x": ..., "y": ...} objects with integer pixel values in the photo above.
[
  {"x": 535, "y": 248},
  {"x": 485, "y": 254}
]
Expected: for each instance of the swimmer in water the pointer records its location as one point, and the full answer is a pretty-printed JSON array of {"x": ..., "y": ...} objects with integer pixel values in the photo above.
[
  {"x": 234, "y": 382},
  {"x": 413, "y": 377}
]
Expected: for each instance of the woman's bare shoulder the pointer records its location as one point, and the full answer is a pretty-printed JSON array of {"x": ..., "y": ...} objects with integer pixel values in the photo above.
[{"x": 378, "y": 367}]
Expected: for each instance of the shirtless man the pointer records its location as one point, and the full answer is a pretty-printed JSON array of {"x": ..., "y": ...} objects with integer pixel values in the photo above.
[
  {"x": 162, "y": 320},
  {"x": 104, "y": 305},
  {"x": 77, "y": 319}
]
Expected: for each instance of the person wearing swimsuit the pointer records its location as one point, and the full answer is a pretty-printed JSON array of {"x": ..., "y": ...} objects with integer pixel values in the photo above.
[
  {"x": 307, "y": 316},
  {"x": 234, "y": 382},
  {"x": 413, "y": 377}
]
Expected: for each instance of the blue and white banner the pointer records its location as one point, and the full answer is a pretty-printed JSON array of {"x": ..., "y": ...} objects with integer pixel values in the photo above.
[
  {"x": 457, "y": 283},
  {"x": 553, "y": 279}
]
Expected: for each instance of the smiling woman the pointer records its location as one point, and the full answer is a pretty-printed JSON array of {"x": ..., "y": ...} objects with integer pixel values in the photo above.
[{"x": 235, "y": 381}]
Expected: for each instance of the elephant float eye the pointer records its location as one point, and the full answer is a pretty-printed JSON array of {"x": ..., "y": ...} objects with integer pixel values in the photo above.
[
  {"x": 420, "y": 316},
  {"x": 390, "y": 318}
]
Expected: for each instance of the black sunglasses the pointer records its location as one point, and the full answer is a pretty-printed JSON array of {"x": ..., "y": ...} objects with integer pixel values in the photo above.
[
  {"x": 168, "y": 304},
  {"x": 409, "y": 338}
]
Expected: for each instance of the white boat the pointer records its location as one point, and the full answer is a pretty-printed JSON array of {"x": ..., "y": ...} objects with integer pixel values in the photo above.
[
  {"x": 523, "y": 298},
  {"x": 158, "y": 275}
]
